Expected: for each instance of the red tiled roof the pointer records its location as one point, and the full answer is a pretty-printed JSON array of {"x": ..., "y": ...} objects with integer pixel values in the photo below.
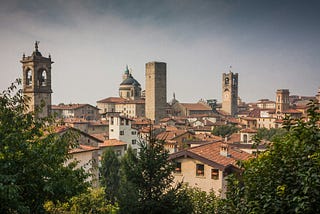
[
  {"x": 292, "y": 111},
  {"x": 111, "y": 142},
  {"x": 82, "y": 148},
  {"x": 172, "y": 134},
  {"x": 70, "y": 106},
  {"x": 210, "y": 154},
  {"x": 111, "y": 100},
  {"x": 120, "y": 100},
  {"x": 196, "y": 106},
  {"x": 248, "y": 130}
]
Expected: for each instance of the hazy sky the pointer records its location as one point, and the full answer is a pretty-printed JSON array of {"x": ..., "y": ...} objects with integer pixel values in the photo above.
[{"x": 271, "y": 44}]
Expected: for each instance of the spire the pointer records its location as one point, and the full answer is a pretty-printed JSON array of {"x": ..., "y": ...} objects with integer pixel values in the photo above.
[
  {"x": 36, "y": 45},
  {"x": 127, "y": 70},
  {"x": 36, "y": 52}
]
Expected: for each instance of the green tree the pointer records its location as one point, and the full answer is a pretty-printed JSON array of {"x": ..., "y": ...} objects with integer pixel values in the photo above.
[
  {"x": 284, "y": 179},
  {"x": 225, "y": 130},
  {"x": 147, "y": 179},
  {"x": 32, "y": 158},
  {"x": 270, "y": 134},
  {"x": 201, "y": 201},
  {"x": 92, "y": 201},
  {"x": 110, "y": 175}
]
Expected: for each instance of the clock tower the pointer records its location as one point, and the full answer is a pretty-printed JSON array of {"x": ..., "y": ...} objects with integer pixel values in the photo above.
[
  {"x": 37, "y": 82},
  {"x": 230, "y": 93}
]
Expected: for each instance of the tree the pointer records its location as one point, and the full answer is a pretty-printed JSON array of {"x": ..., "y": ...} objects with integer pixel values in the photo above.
[
  {"x": 270, "y": 134},
  {"x": 225, "y": 130},
  {"x": 92, "y": 201},
  {"x": 110, "y": 176},
  {"x": 147, "y": 178},
  {"x": 284, "y": 179},
  {"x": 32, "y": 158}
]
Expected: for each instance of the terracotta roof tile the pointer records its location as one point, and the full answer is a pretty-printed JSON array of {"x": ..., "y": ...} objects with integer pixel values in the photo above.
[
  {"x": 211, "y": 153},
  {"x": 196, "y": 106},
  {"x": 111, "y": 142}
]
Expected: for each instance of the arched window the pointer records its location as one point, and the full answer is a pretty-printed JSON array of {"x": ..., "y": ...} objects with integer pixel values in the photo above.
[
  {"x": 29, "y": 77},
  {"x": 226, "y": 80},
  {"x": 43, "y": 78}
]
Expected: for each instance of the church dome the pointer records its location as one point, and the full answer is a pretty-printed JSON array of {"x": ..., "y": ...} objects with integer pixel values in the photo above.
[{"x": 130, "y": 81}]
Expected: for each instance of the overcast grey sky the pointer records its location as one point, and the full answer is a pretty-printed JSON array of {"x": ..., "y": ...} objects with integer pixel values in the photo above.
[{"x": 271, "y": 44}]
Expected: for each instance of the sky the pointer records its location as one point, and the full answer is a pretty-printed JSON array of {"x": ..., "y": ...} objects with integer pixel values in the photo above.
[{"x": 270, "y": 44}]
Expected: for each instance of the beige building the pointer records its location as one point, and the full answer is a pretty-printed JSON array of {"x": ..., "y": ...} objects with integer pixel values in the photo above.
[
  {"x": 207, "y": 166},
  {"x": 129, "y": 103},
  {"x": 128, "y": 108},
  {"x": 85, "y": 111},
  {"x": 230, "y": 93},
  {"x": 176, "y": 140},
  {"x": 37, "y": 82},
  {"x": 156, "y": 91},
  {"x": 191, "y": 109},
  {"x": 282, "y": 100}
]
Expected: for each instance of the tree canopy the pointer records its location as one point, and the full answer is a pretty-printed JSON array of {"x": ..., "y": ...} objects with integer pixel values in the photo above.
[
  {"x": 32, "y": 158},
  {"x": 147, "y": 179},
  {"x": 225, "y": 130},
  {"x": 284, "y": 179}
]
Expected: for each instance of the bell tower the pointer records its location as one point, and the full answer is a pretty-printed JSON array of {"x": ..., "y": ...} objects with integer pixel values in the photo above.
[
  {"x": 37, "y": 82},
  {"x": 230, "y": 93}
]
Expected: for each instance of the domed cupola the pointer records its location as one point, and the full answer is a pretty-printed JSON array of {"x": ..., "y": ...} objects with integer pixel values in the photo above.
[{"x": 130, "y": 88}]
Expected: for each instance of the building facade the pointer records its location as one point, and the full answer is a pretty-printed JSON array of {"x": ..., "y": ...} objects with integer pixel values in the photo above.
[
  {"x": 282, "y": 100},
  {"x": 37, "y": 82},
  {"x": 156, "y": 91},
  {"x": 230, "y": 93}
]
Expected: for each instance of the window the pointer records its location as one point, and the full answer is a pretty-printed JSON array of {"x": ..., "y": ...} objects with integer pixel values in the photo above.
[
  {"x": 215, "y": 174},
  {"x": 122, "y": 121},
  {"x": 43, "y": 78},
  {"x": 178, "y": 167},
  {"x": 199, "y": 170},
  {"x": 121, "y": 132},
  {"x": 245, "y": 138},
  {"x": 134, "y": 142},
  {"x": 29, "y": 77},
  {"x": 127, "y": 122},
  {"x": 111, "y": 130},
  {"x": 133, "y": 132}
]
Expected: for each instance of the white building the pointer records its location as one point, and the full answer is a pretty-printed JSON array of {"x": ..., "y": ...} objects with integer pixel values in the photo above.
[{"x": 120, "y": 129}]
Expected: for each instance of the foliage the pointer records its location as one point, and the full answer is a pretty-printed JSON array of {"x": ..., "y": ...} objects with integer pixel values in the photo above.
[
  {"x": 286, "y": 178},
  {"x": 270, "y": 134},
  {"x": 201, "y": 201},
  {"x": 110, "y": 176},
  {"x": 146, "y": 181},
  {"x": 225, "y": 130},
  {"x": 32, "y": 158},
  {"x": 92, "y": 201}
]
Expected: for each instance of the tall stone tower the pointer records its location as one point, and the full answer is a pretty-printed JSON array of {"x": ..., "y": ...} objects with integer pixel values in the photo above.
[
  {"x": 282, "y": 100},
  {"x": 156, "y": 90},
  {"x": 230, "y": 93},
  {"x": 37, "y": 82}
]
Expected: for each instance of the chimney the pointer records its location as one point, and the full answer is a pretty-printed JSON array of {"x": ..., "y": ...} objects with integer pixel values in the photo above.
[{"x": 224, "y": 150}]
